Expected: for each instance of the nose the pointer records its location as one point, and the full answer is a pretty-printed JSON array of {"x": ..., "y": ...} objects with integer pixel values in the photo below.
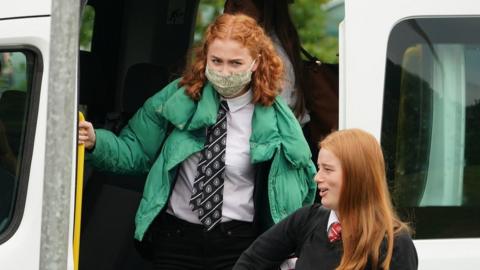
[
  {"x": 221, "y": 69},
  {"x": 318, "y": 177},
  {"x": 224, "y": 70}
]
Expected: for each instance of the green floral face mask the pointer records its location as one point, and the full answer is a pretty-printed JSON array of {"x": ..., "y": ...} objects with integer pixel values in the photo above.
[{"x": 229, "y": 85}]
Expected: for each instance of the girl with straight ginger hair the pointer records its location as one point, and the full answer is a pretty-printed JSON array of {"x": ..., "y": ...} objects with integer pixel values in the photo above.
[{"x": 355, "y": 228}]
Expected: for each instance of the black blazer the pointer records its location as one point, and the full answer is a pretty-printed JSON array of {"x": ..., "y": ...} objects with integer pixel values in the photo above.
[{"x": 305, "y": 233}]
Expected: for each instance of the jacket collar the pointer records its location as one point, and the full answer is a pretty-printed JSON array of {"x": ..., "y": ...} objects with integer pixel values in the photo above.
[
  {"x": 273, "y": 127},
  {"x": 187, "y": 114}
]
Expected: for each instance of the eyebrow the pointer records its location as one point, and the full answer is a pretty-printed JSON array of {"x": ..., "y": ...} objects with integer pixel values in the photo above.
[
  {"x": 326, "y": 165},
  {"x": 229, "y": 60}
]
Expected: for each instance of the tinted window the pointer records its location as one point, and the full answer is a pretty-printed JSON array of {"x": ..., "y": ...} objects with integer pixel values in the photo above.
[
  {"x": 16, "y": 73},
  {"x": 431, "y": 125}
]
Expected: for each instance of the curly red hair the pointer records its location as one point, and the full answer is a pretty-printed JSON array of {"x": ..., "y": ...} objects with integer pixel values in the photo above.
[{"x": 267, "y": 77}]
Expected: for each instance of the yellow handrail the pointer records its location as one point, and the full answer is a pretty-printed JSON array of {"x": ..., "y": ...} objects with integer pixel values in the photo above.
[{"x": 78, "y": 200}]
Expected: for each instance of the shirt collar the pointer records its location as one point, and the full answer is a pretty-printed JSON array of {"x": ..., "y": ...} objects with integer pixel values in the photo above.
[
  {"x": 332, "y": 219},
  {"x": 236, "y": 103}
]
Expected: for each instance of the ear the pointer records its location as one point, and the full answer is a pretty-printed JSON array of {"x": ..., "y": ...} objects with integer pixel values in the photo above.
[{"x": 255, "y": 66}]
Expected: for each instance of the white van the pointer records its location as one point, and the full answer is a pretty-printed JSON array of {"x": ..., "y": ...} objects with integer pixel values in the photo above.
[{"x": 409, "y": 73}]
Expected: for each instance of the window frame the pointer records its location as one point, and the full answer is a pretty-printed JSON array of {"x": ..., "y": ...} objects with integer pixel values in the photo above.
[
  {"x": 461, "y": 219},
  {"x": 33, "y": 100}
]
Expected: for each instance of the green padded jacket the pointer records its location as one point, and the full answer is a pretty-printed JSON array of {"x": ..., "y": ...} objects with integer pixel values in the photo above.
[{"x": 141, "y": 147}]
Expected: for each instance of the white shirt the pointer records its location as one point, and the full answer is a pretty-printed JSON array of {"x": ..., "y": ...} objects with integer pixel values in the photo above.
[
  {"x": 239, "y": 172},
  {"x": 332, "y": 218}
]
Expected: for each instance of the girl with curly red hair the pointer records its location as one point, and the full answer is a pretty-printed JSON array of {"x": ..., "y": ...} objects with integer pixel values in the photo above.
[
  {"x": 225, "y": 156},
  {"x": 237, "y": 36}
]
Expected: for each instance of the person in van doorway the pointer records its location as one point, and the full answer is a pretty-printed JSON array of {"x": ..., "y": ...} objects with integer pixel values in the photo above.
[
  {"x": 313, "y": 103},
  {"x": 225, "y": 155},
  {"x": 355, "y": 228},
  {"x": 274, "y": 17}
]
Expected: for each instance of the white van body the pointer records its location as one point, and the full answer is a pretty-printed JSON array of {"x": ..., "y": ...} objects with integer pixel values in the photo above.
[
  {"x": 364, "y": 36},
  {"x": 20, "y": 25}
]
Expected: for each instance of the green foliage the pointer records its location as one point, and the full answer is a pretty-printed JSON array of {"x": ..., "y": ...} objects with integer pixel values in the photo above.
[
  {"x": 207, "y": 11},
  {"x": 86, "y": 29},
  {"x": 309, "y": 17}
]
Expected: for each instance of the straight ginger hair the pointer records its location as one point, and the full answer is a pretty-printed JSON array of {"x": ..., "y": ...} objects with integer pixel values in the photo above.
[
  {"x": 267, "y": 77},
  {"x": 365, "y": 209}
]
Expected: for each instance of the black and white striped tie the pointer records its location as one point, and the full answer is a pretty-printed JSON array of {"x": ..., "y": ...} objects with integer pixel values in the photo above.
[{"x": 207, "y": 193}]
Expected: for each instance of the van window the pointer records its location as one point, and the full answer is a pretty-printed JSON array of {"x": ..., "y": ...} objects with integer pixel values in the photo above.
[
  {"x": 16, "y": 73},
  {"x": 86, "y": 29},
  {"x": 431, "y": 125}
]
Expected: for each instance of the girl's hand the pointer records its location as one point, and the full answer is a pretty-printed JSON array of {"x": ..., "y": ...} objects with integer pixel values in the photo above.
[{"x": 86, "y": 134}]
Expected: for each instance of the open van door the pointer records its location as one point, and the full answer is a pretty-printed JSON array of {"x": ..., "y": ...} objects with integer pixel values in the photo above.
[
  {"x": 409, "y": 75},
  {"x": 38, "y": 66},
  {"x": 25, "y": 28},
  {"x": 24, "y": 57}
]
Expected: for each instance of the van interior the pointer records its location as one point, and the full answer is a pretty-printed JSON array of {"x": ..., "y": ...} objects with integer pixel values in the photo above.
[{"x": 137, "y": 47}]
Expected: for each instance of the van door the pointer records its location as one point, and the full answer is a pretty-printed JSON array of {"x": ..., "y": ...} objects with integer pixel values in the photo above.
[
  {"x": 24, "y": 48},
  {"x": 420, "y": 97}
]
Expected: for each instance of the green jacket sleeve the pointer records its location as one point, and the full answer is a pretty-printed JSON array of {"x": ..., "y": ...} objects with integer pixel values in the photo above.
[
  {"x": 289, "y": 188},
  {"x": 291, "y": 183},
  {"x": 135, "y": 149}
]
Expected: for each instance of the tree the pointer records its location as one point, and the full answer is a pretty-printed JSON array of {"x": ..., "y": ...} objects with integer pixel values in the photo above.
[
  {"x": 86, "y": 29},
  {"x": 309, "y": 17}
]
